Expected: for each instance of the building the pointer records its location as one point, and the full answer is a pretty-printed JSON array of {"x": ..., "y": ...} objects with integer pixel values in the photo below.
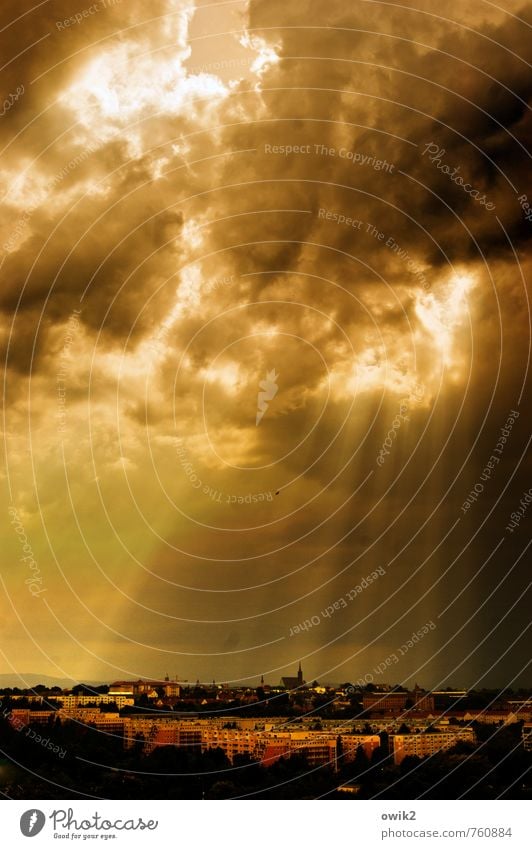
[
  {"x": 318, "y": 748},
  {"x": 20, "y": 717},
  {"x": 162, "y": 731},
  {"x": 31, "y": 699},
  {"x": 233, "y": 741},
  {"x": 527, "y": 737},
  {"x": 150, "y": 688},
  {"x": 350, "y": 744},
  {"x": 423, "y": 745},
  {"x": 294, "y": 682},
  {"x": 83, "y": 715},
  {"x": 273, "y": 749},
  {"x": 449, "y": 699},
  {"x": 111, "y": 723},
  {"x": 351, "y": 788},
  {"x": 318, "y": 752},
  {"x": 521, "y": 708},
  {"x": 263, "y": 744},
  {"x": 398, "y": 701},
  {"x": 488, "y": 717},
  {"x": 71, "y": 701}
]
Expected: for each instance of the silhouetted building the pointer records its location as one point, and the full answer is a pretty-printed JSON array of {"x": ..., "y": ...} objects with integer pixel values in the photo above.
[{"x": 293, "y": 682}]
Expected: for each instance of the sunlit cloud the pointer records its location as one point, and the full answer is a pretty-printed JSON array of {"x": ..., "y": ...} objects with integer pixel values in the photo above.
[{"x": 442, "y": 314}]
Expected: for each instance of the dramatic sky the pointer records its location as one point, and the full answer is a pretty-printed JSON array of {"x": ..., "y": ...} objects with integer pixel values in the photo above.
[{"x": 328, "y": 198}]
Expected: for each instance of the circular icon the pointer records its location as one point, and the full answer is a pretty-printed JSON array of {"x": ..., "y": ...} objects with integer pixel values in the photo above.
[{"x": 32, "y": 822}]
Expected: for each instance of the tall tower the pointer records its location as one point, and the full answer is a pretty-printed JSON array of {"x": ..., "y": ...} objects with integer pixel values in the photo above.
[{"x": 299, "y": 676}]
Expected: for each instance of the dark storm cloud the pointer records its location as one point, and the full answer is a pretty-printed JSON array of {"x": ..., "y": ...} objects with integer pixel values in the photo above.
[
  {"x": 466, "y": 92},
  {"x": 103, "y": 215}
]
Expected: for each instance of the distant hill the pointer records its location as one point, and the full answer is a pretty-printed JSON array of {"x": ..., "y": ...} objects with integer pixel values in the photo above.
[{"x": 24, "y": 680}]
